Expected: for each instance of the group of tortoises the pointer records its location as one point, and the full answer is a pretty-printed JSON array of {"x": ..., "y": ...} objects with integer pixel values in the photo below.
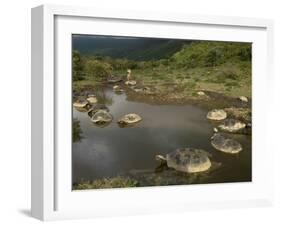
[
  {"x": 188, "y": 160},
  {"x": 229, "y": 125},
  {"x": 99, "y": 113},
  {"x": 192, "y": 160}
]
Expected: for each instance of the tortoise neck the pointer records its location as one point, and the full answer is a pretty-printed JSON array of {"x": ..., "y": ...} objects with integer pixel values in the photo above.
[{"x": 161, "y": 158}]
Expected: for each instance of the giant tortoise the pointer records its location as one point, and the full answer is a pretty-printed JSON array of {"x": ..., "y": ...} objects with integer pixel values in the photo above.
[
  {"x": 225, "y": 144},
  {"x": 188, "y": 160}
]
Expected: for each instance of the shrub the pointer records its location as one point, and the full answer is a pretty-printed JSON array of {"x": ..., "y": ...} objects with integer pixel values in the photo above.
[
  {"x": 121, "y": 64},
  {"x": 164, "y": 62},
  {"x": 229, "y": 71},
  {"x": 214, "y": 57},
  {"x": 245, "y": 54},
  {"x": 192, "y": 61},
  {"x": 97, "y": 69},
  {"x": 196, "y": 79}
]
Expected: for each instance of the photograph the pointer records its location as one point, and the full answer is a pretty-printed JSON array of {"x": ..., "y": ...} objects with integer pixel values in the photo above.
[{"x": 150, "y": 111}]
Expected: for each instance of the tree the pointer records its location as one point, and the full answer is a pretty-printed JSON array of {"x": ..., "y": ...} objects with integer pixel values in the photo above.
[
  {"x": 214, "y": 57},
  {"x": 245, "y": 54},
  {"x": 77, "y": 66}
]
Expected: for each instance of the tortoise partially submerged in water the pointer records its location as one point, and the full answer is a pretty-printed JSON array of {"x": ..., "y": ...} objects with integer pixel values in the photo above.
[
  {"x": 217, "y": 114},
  {"x": 244, "y": 114},
  {"x": 101, "y": 117},
  {"x": 129, "y": 119},
  {"x": 232, "y": 125},
  {"x": 81, "y": 105},
  {"x": 92, "y": 99},
  {"x": 189, "y": 160},
  {"x": 94, "y": 109},
  {"x": 225, "y": 144}
]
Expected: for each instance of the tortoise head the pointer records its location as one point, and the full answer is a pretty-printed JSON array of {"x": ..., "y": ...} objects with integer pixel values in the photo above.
[{"x": 160, "y": 158}]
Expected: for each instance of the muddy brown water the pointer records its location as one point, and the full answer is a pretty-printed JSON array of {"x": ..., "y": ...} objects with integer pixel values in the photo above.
[{"x": 112, "y": 151}]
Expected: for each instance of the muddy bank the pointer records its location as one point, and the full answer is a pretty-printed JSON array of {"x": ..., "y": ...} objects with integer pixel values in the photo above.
[
  {"x": 209, "y": 101},
  {"x": 205, "y": 99}
]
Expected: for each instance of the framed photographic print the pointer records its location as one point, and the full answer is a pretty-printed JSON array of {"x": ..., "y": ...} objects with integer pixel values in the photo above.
[{"x": 136, "y": 112}]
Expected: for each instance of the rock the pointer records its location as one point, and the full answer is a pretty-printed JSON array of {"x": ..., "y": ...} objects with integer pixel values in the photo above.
[
  {"x": 118, "y": 89},
  {"x": 243, "y": 99},
  {"x": 225, "y": 144},
  {"x": 217, "y": 114},
  {"x": 143, "y": 90},
  {"x": 232, "y": 125},
  {"x": 137, "y": 89},
  {"x": 92, "y": 100},
  {"x": 201, "y": 93},
  {"x": 101, "y": 117},
  {"x": 129, "y": 119},
  {"x": 131, "y": 83}
]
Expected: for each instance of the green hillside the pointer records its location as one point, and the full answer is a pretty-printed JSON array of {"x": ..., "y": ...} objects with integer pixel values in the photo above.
[
  {"x": 130, "y": 48},
  {"x": 207, "y": 53},
  {"x": 198, "y": 65}
]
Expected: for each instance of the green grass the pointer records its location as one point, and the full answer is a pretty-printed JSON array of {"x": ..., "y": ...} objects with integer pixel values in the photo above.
[
  {"x": 86, "y": 82},
  {"x": 233, "y": 82},
  {"x": 230, "y": 80},
  {"x": 115, "y": 182}
]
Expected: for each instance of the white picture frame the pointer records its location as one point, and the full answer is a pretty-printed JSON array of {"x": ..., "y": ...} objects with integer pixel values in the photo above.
[{"x": 52, "y": 197}]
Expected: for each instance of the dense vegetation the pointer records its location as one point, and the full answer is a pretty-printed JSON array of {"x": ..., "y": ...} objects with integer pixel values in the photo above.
[{"x": 218, "y": 66}]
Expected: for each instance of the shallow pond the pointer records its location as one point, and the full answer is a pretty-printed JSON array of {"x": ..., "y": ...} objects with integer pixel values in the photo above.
[{"x": 113, "y": 151}]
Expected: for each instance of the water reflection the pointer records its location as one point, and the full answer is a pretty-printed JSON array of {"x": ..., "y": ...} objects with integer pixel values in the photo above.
[
  {"x": 76, "y": 130},
  {"x": 103, "y": 98}
]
